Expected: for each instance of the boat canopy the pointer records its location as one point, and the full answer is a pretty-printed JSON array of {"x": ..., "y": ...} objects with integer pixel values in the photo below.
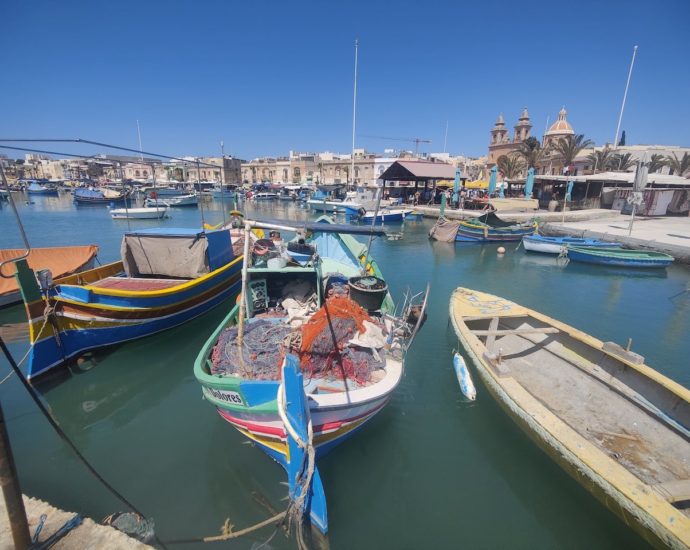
[{"x": 175, "y": 252}]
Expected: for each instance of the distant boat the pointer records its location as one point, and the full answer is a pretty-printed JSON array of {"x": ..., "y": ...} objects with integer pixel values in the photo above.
[
  {"x": 154, "y": 192},
  {"x": 264, "y": 196},
  {"x": 36, "y": 188},
  {"x": 60, "y": 260},
  {"x": 554, "y": 245},
  {"x": 486, "y": 228},
  {"x": 91, "y": 195},
  {"x": 166, "y": 277},
  {"x": 619, "y": 427},
  {"x": 145, "y": 213},
  {"x": 384, "y": 215},
  {"x": 226, "y": 191},
  {"x": 619, "y": 257},
  {"x": 175, "y": 201}
]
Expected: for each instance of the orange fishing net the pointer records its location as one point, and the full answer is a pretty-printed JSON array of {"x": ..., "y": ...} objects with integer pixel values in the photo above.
[{"x": 334, "y": 308}]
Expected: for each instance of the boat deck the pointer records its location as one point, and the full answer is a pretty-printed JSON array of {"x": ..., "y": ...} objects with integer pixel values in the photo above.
[
  {"x": 576, "y": 384},
  {"x": 137, "y": 283}
]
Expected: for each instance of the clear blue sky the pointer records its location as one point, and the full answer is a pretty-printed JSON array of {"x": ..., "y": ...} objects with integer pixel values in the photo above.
[{"x": 267, "y": 77}]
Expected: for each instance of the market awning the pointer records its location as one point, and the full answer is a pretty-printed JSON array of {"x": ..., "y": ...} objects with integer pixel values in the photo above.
[{"x": 418, "y": 170}]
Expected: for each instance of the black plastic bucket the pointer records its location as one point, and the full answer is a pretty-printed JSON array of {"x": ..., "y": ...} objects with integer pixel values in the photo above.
[{"x": 368, "y": 291}]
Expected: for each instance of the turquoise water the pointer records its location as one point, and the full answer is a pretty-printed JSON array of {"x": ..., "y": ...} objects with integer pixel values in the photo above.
[{"x": 430, "y": 471}]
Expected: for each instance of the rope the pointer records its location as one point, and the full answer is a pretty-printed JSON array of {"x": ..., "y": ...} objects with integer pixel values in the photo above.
[
  {"x": 31, "y": 346},
  {"x": 53, "y": 423}
]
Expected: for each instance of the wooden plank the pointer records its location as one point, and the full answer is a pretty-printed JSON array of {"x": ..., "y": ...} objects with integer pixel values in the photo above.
[
  {"x": 491, "y": 336},
  {"x": 677, "y": 490},
  {"x": 536, "y": 330}
]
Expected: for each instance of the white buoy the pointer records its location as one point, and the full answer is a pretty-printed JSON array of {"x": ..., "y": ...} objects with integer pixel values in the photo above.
[
  {"x": 501, "y": 250},
  {"x": 464, "y": 378}
]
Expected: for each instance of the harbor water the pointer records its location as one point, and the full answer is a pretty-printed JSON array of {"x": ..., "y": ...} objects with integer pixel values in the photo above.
[{"x": 429, "y": 471}]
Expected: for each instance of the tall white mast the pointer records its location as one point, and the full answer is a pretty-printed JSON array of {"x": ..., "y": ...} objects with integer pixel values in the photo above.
[
  {"x": 141, "y": 154},
  {"x": 354, "y": 116},
  {"x": 625, "y": 96},
  {"x": 445, "y": 138}
]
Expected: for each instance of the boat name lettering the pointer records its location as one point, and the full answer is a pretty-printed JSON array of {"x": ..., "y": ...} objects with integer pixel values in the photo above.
[{"x": 228, "y": 396}]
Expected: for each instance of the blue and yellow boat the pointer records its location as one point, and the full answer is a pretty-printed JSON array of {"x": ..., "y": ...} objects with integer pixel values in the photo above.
[{"x": 165, "y": 278}]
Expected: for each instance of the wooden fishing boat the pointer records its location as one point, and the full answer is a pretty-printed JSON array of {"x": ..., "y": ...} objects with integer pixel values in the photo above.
[
  {"x": 617, "y": 426},
  {"x": 144, "y": 213},
  {"x": 97, "y": 196},
  {"x": 294, "y": 313},
  {"x": 554, "y": 245},
  {"x": 620, "y": 257},
  {"x": 60, "y": 260},
  {"x": 486, "y": 228},
  {"x": 36, "y": 188},
  {"x": 165, "y": 278},
  {"x": 174, "y": 201},
  {"x": 384, "y": 215}
]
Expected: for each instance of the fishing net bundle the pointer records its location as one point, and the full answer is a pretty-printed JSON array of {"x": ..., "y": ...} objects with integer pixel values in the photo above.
[{"x": 323, "y": 345}]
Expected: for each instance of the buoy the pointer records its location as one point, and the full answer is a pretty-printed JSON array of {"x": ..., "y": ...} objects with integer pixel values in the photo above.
[
  {"x": 501, "y": 250},
  {"x": 464, "y": 378}
]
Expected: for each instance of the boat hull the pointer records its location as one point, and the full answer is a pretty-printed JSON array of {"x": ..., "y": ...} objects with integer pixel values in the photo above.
[
  {"x": 88, "y": 317},
  {"x": 634, "y": 502},
  {"x": 620, "y": 258},
  {"x": 554, "y": 245},
  {"x": 469, "y": 232},
  {"x": 138, "y": 213},
  {"x": 332, "y": 206}
]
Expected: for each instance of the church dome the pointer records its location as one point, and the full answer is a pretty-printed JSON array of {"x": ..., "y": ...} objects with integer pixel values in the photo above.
[{"x": 561, "y": 126}]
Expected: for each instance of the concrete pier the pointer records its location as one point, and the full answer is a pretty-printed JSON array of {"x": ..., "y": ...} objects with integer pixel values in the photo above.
[
  {"x": 88, "y": 536},
  {"x": 541, "y": 215}
]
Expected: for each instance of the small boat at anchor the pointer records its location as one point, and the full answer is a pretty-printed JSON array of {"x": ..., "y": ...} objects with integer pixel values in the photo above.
[
  {"x": 91, "y": 195},
  {"x": 384, "y": 215},
  {"x": 619, "y": 427},
  {"x": 172, "y": 201},
  {"x": 166, "y": 277},
  {"x": 486, "y": 228},
  {"x": 326, "y": 343},
  {"x": 36, "y": 188},
  {"x": 555, "y": 245},
  {"x": 619, "y": 257},
  {"x": 143, "y": 213}
]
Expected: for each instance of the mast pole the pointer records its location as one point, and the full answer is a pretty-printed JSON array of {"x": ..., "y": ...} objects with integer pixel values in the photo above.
[
  {"x": 445, "y": 138},
  {"x": 625, "y": 96},
  {"x": 222, "y": 180},
  {"x": 141, "y": 154},
  {"x": 354, "y": 116}
]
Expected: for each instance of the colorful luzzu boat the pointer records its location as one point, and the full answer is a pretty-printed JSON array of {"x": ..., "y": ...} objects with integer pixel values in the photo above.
[
  {"x": 166, "y": 277},
  {"x": 555, "y": 245},
  {"x": 477, "y": 231},
  {"x": 294, "y": 417},
  {"x": 619, "y": 257}
]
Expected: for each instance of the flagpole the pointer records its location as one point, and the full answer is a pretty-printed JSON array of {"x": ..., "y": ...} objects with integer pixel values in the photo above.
[
  {"x": 354, "y": 117},
  {"x": 625, "y": 96}
]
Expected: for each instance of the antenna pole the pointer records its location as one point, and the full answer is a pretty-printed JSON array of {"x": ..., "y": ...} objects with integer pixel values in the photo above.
[
  {"x": 354, "y": 116},
  {"x": 625, "y": 96},
  {"x": 445, "y": 139}
]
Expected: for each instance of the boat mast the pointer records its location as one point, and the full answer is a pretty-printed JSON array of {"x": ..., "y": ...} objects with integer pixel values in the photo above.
[
  {"x": 625, "y": 96},
  {"x": 354, "y": 117},
  {"x": 141, "y": 153},
  {"x": 222, "y": 179}
]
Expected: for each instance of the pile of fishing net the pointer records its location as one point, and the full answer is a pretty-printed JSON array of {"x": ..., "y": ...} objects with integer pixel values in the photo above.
[{"x": 339, "y": 341}]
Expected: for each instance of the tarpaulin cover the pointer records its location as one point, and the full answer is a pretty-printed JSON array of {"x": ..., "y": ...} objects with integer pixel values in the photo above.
[
  {"x": 61, "y": 260},
  {"x": 493, "y": 220},
  {"x": 444, "y": 230},
  {"x": 179, "y": 256}
]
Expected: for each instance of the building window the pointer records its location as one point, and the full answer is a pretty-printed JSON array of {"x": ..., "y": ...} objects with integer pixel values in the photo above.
[{"x": 136, "y": 173}]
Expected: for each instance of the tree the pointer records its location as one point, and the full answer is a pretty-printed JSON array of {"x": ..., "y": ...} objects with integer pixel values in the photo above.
[
  {"x": 622, "y": 140},
  {"x": 679, "y": 167},
  {"x": 570, "y": 146},
  {"x": 656, "y": 163},
  {"x": 530, "y": 150},
  {"x": 510, "y": 165},
  {"x": 622, "y": 163},
  {"x": 601, "y": 160}
]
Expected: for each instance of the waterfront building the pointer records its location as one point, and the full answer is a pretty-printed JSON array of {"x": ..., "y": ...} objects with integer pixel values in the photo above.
[{"x": 230, "y": 167}]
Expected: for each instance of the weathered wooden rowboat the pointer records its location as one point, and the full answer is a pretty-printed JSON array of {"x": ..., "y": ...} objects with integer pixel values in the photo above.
[
  {"x": 620, "y": 258},
  {"x": 617, "y": 426},
  {"x": 475, "y": 231},
  {"x": 554, "y": 245},
  {"x": 166, "y": 277}
]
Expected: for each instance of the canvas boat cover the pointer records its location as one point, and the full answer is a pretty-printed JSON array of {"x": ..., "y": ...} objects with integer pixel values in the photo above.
[
  {"x": 179, "y": 256},
  {"x": 493, "y": 220},
  {"x": 61, "y": 260},
  {"x": 445, "y": 230}
]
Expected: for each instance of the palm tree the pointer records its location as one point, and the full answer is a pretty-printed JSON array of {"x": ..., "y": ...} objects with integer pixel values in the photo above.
[
  {"x": 510, "y": 165},
  {"x": 622, "y": 163},
  {"x": 530, "y": 150},
  {"x": 601, "y": 160},
  {"x": 678, "y": 166},
  {"x": 570, "y": 146},
  {"x": 656, "y": 163}
]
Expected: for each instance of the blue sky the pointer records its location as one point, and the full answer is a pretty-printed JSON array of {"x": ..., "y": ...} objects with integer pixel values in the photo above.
[{"x": 267, "y": 77}]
